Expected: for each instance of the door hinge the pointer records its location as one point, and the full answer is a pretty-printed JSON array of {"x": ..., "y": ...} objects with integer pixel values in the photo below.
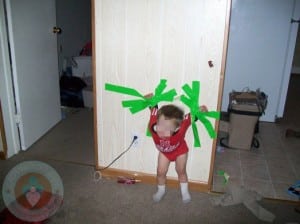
[{"x": 17, "y": 118}]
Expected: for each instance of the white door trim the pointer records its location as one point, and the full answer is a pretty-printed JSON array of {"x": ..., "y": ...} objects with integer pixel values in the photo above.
[
  {"x": 6, "y": 91},
  {"x": 14, "y": 68}
]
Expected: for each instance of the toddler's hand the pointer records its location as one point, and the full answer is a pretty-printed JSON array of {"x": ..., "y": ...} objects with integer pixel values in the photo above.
[
  {"x": 149, "y": 95},
  {"x": 203, "y": 108}
]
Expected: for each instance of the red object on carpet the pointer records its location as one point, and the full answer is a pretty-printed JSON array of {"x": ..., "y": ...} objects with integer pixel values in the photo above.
[{"x": 7, "y": 218}]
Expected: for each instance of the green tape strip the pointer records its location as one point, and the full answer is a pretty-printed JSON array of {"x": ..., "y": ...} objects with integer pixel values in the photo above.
[
  {"x": 191, "y": 99},
  {"x": 224, "y": 174},
  {"x": 122, "y": 89}
]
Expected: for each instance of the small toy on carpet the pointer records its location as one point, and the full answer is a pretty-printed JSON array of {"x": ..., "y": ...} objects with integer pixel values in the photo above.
[{"x": 127, "y": 180}]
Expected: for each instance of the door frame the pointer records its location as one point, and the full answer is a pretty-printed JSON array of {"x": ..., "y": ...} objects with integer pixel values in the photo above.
[
  {"x": 6, "y": 90},
  {"x": 2, "y": 136},
  {"x": 288, "y": 60}
]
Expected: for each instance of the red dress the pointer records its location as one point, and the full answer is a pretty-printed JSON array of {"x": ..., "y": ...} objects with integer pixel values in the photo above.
[{"x": 174, "y": 145}]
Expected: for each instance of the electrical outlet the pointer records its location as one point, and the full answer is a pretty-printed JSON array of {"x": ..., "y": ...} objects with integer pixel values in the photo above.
[{"x": 137, "y": 142}]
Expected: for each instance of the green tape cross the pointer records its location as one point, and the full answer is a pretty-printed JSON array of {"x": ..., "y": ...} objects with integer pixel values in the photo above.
[
  {"x": 137, "y": 105},
  {"x": 191, "y": 99}
]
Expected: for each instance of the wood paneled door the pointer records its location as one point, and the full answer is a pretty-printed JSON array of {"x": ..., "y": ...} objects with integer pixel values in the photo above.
[{"x": 137, "y": 43}]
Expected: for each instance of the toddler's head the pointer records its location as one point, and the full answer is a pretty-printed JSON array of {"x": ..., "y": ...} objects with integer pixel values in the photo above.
[{"x": 169, "y": 118}]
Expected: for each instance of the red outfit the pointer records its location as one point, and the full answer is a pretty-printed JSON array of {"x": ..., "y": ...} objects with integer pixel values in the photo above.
[{"x": 172, "y": 146}]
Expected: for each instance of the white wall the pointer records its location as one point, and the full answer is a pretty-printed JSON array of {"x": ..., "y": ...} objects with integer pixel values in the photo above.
[
  {"x": 74, "y": 18},
  {"x": 258, "y": 41},
  {"x": 138, "y": 42}
]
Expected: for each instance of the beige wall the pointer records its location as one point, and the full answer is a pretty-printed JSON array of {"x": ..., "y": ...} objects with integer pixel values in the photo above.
[{"x": 139, "y": 42}]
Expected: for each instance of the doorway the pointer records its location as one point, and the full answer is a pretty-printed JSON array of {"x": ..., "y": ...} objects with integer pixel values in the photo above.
[
  {"x": 73, "y": 17},
  {"x": 70, "y": 8},
  {"x": 74, "y": 54},
  {"x": 292, "y": 107},
  {"x": 273, "y": 167}
]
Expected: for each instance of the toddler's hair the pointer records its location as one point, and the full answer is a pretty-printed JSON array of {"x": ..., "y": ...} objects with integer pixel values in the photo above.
[{"x": 171, "y": 111}]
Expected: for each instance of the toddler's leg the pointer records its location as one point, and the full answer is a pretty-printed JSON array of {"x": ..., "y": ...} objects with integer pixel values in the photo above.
[
  {"x": 162, "y": 169},
  {"x": 182, "y": 177}
]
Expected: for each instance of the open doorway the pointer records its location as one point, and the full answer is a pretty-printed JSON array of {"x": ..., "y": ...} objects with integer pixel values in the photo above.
[
  {"x": 74, "y": 54},
  {"x": 292, "y": 108},
  {"x": 73, "y": 17},
  {"x": 38, "y": 87},
  {"x": 273, "y": 167}
]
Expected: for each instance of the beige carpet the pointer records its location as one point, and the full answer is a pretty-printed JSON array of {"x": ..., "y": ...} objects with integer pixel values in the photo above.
[
  {"x": 68, "y": 148},
  {"x": 71, "y": 140}
]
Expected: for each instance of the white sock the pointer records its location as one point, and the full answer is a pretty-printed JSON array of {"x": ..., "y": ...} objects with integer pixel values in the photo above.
[
  {"x": 161, "y": 190},
  {"x": 186, "y": 197}
]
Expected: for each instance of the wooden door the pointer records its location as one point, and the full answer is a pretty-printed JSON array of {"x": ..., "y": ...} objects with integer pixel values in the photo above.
[{"x": 139, "y": 42}]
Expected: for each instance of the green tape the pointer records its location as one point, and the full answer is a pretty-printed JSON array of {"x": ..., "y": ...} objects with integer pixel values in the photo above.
[
  {"x": 138, "y": 105},
  {"x": 191, "y": 99},
  {"x": 224, "y": 175},
  {"x": 122, "y": 89}
]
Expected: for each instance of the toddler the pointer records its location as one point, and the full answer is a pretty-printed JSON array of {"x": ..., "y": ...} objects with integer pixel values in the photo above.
[{"x": 168, "y": 126}]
